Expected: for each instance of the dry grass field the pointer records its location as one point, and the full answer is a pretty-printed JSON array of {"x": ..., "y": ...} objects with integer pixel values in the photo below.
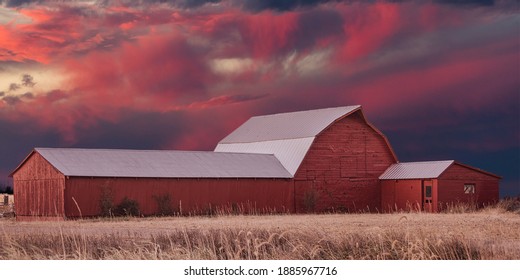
[{"x": 491, "y": 233}]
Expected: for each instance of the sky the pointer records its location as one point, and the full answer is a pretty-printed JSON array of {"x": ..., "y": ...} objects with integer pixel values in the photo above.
[{"x": 441, "y": 79}]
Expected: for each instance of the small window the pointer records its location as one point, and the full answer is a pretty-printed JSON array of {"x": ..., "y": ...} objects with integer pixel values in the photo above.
[
  {"x": 428, "y": 191},
  {"x": 469, "y": 188}
]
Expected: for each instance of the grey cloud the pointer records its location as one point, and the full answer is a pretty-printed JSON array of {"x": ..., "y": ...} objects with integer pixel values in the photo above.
[
  {"x": 27, "y": 80},
  {"x": 11, "y": 100},
  {"x": 27, "y": 95},
  {"x": 13, "y": 87}
]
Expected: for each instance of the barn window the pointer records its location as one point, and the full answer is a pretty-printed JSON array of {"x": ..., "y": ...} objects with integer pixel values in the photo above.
[
  {"x": 428, "y": 191},
  {"x": 469, "y": 188}
]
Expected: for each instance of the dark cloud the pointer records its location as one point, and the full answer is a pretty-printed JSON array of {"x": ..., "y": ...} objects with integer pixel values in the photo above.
[
  {"x": 224, "y": 100},
  {"x": 17, "y": 3},
  {"x": 318, "y": 24},
  {"x": 11, "y": 100},
  {"x": 27, "y": 95},
  {"x": 2, "y": 93},
  {"x": 283, "y": 5},
  {"x": 195, "y": 3},
  {"x": 467, "y": 2},
  {"x": 56, "y": 95},
  {"x": 28, "y": 80},
  {"x": 14, "y": 86},
  {"x": 27, "y": 135},
  {"x": 177, "y": 3}
]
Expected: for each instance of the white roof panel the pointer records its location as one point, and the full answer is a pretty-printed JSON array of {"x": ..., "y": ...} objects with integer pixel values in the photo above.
[
  {"x": 290, "y": 152},
  {"x": 162, "y": 164},
  {"x": 416, "y": 170},
  {"x": 293, "y": 125}
]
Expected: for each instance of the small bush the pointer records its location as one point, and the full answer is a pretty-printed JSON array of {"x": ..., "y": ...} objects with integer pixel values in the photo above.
[
  {"x": 127, "y": 207},
  {"x": 510, "y": 204},
  {"x": 164, "y": 205}
]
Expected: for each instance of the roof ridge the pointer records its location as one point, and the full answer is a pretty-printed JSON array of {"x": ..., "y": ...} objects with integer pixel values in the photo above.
[
  {"x": 161, "y": 163},
  {"x": 161, "y": 151},
  {"x": 423, "y": 162},
  {"x": 306, "y": 111}
]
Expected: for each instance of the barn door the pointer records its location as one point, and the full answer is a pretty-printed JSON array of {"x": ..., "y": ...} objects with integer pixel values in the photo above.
[{"x": 427, "y": 196}]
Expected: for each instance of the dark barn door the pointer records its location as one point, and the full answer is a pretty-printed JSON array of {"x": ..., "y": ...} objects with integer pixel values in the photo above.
[{"x": 427, "y": 190}]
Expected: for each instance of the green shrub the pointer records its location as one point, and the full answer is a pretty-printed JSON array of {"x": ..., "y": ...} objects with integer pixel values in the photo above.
[{"x": 127, "y": 207}]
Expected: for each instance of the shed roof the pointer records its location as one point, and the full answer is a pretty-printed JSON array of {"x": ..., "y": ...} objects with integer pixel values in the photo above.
[
  {"x": 416, "y": 170},
  {"x": 288, "y": 136},
  {"x": 162, "y": 164}
]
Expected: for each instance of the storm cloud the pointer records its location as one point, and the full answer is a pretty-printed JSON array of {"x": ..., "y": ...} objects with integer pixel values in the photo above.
[{"x": 439, "y": 78}]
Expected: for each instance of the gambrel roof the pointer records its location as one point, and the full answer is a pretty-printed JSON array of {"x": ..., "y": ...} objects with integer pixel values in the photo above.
[
  {"x": 288, "y": 136},
  {"x": 295, "y": 125}
]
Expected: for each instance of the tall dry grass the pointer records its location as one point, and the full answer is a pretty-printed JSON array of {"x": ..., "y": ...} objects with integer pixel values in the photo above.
[
  {"x": 490, "y": 233},
  {"x": 252, "y": 245}
]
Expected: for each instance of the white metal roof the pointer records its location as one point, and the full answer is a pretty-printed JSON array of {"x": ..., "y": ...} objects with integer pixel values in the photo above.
[
  {"x": 293, "y": 125},
  {"x": 288, "y": 136},
  {"x": 290, "y": 152},
  {"x": 416, "y": 170},
  {"x": 162, "y": 164}
]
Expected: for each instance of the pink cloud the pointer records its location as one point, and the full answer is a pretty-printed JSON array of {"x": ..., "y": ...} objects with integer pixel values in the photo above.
[{"x": 158, "y": 59}]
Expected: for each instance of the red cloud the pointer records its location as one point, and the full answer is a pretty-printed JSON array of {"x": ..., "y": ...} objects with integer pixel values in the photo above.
[{"x": 159, "y": 59}]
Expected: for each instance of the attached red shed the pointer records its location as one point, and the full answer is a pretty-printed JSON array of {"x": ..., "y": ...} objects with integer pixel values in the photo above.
[
  {"x": 60, "y": 183},
  {"x": 434, "y": 185}
]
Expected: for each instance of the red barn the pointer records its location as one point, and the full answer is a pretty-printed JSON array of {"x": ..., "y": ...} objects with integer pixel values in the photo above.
[
  {"x": 434, "y": 185},
  {"x": 310, "y": 161}
]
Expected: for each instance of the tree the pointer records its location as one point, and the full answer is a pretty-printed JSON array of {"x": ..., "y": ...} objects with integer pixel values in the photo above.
[{"x": 5, "y": 187}]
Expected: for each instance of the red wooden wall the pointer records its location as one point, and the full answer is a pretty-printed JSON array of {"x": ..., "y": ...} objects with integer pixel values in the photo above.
[
  {"x": 341, "y": 169},
  {"x": 451, "y": 186},
  {"x": 401, "y": 195},
  {"x": 407, "y": 195},
  {"x": 191, "y": 196},
  {"x": 38, "y": 189}
]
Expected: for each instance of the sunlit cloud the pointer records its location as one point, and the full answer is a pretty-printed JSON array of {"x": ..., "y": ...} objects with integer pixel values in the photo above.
[{"x": 73, "y": 72}]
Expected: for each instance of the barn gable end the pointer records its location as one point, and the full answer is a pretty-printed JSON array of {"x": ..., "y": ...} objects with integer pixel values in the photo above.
[
  {"x": 39, "y": 188},
  {"x": 341, "y": 169},
  {"x": 454, "y": 181}
]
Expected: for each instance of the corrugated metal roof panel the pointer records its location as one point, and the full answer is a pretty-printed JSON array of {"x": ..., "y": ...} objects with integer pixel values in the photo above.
[
  {"x": 163, "y": 164},
  {"x": 301, "y": 124},
  {"x": 416, "y": 170},
  {"x": 289, "y": 152}
]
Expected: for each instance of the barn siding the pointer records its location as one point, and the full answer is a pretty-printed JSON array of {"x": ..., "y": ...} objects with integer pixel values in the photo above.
[
  {"x": 342, "y": 167},
  {"x": 451, "y": 187},
  {"x": 195, "y": 196},
  {"x": 401, "y": 195},
  {"x": 38, "y": 189}
]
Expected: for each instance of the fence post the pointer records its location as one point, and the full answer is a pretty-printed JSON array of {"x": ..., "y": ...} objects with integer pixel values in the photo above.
[{"x": 6, "y": 200}]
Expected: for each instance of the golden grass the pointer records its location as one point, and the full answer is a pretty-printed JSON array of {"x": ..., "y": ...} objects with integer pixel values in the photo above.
[{"x": 488, "y": 234}]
